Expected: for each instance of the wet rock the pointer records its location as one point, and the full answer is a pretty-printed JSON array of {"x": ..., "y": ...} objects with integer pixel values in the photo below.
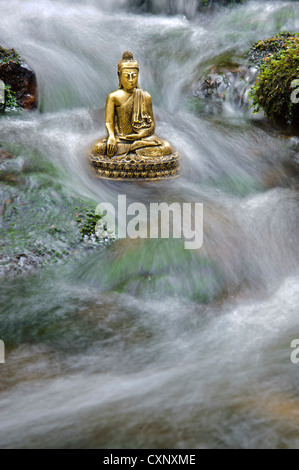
[
  {"x": 225, "y": 84},
  {"x": 277, "y": 86},
  {"x": 20, "y": 77},
  {"x": 265, "y": 79},
  {"x": 154, "y": 269},
  {"x": 264, "y": 50},
  {"x": 4, "y": 154},
  {"x": 293, "y": 151},
  {"x": 10, "y": 170},
  {"x": 178, "y": 7},
  {"x": 39, "y": 218}
]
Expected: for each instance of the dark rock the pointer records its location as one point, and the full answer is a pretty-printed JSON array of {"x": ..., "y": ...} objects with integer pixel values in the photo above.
[
  {"x": 171, "y": 7},
  {"x": 20, "y": 77}
]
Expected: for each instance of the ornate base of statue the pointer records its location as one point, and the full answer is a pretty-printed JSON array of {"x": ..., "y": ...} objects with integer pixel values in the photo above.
[
  {"x": 132, "y": 150},
  {"x": 133, "y": 166}
]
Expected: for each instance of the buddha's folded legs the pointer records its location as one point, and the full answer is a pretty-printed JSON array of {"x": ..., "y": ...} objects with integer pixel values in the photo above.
[
  {"x": 100, "y": 147},
  {"x": 155, "y": 147},
  {"x": 150, "y": 147}
]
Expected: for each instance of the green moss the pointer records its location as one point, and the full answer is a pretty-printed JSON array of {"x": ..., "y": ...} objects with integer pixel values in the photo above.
[
  {"x": 87, "y": 221},
  {"x": 262, "y": 50},
  {"x": 154, "y": 269},
  {"x": 9, "y": 55},
  {"x": 10, "y": 99},
  {"x": 274, "y": 86},
  {"x": 10, "y": 102},
  {"x": 39, "y": 213}
]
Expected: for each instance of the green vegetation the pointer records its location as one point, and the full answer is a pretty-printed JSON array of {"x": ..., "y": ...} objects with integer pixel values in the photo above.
[
  {"x": 134, "y": 269},
  {"x": 9, "y": 55},
  {"x": 279, "y": 58},
  {"x": 87, "y": 221},
  {"x": 266, "y": 49},
  {"x": 10, "y": 99},
  {"x": 42, "y": 222}
]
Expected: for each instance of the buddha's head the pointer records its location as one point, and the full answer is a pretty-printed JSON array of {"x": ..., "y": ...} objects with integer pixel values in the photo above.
[{"x": 128, "y": 70}]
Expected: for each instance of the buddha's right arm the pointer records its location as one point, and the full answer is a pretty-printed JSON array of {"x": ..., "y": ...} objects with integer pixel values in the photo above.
[
  {"x": 110, "y": 129},
  {"x": 109, "y": 121},
  {"x": 109, "y": 116}
]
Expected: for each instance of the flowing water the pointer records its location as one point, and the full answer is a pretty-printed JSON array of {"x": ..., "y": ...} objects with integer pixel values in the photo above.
[{"x": 144, "y": 344}]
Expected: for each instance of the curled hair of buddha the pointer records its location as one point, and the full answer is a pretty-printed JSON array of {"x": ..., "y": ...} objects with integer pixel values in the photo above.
[
  {"x": 127, "y": 62},
  {"x": 127, "y": 55}
]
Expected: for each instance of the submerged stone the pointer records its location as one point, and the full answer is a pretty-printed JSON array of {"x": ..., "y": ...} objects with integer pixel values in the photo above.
[{"x": 227, "y": 80}]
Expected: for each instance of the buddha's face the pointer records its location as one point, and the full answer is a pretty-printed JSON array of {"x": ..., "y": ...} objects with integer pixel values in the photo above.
[{"x": 129, "y": 78}]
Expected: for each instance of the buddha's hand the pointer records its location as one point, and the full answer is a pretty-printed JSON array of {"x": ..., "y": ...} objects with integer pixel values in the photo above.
[
  {"x": 139, "y": 135},
  {"x": 111, "y": 146},
  {"x": 130, "y": 137}
]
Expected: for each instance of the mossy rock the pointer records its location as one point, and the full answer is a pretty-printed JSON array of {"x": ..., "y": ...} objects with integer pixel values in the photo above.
[
  {"x": 275, "y": 87},
  {"x": 265, "y": 49},
  {"x": 157, "y": 268},
  {"x": 20, "y": 81},
  {"x": 42, "y": 222},
  {"x": 9, "y": 55}
]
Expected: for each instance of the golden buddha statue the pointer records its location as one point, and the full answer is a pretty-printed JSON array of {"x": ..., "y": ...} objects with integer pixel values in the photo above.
[{"x": 132, "y": 150}]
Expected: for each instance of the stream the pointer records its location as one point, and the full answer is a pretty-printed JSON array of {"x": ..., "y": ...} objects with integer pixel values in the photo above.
[{"x": 143, "y": 343}]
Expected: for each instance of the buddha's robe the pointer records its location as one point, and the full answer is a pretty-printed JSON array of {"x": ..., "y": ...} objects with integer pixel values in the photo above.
[{"x": 134, "y": 115}]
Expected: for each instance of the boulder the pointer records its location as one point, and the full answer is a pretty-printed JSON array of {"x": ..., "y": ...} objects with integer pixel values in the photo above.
[
  {"x": 20, "y": 77},
  {"x": 276, "y": 89}
]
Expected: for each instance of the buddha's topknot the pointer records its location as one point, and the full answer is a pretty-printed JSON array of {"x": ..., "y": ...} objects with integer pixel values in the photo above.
[{"x": 127, "y": 55}]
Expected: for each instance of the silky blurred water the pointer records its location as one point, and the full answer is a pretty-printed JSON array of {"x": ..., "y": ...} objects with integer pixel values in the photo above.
[{"x": 145, "y": 344}]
